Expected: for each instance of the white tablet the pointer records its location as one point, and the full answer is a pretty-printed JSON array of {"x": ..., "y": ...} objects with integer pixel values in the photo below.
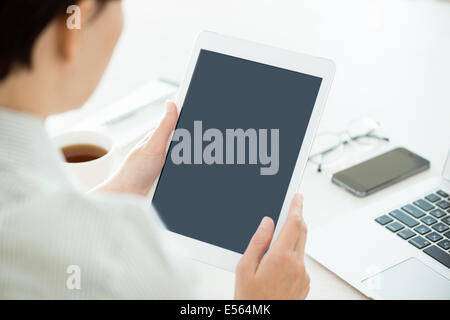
[{"x": 248, "y": 117}]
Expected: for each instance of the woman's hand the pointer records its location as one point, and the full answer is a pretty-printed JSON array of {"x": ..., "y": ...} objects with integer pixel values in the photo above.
[
  {"x": 280, "y": 273},
  {"x": 144, "y": 163}
]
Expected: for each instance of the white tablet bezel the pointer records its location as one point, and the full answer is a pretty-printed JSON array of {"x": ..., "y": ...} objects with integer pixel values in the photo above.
[{"x": 285, "y": 59}]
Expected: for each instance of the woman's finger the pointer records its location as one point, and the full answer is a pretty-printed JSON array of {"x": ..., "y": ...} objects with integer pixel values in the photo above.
[
  {"x": 160, "y": 137},
  {"x": 289, "y": 235}
]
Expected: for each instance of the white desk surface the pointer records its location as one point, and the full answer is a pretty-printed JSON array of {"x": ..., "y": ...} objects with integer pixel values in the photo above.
[{"x": 393, "y": 64}]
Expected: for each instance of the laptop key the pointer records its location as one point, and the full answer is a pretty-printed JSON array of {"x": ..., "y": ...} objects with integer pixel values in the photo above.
[
  {"x": 403, "y": 218},
  {"x": 383, "y": 220},
  {"x": 395, "y": 226},
  {"x": 447, "y": 234},
  {"x": 428, "y": 220},
  {"x": 442, "y": 193},
  {"x": 422, "y": 204},
  {"x": 438, "y": 254},
  {"x": 432, "y": 197},
  {"x": 419, "y": 242},
  {"x": 438, "y": 213},
  {"x": 444, "y": 244},
  {"x": 443, "y": 204},
  {"x": 446, "y": 220},
  {"x": 434, "y": 236},
  {"x": 416, "y": 213},
  {"x": 440, "y": 227},
  {"x": 422, "y": 229},
  {"x": 406, "y": 234}
]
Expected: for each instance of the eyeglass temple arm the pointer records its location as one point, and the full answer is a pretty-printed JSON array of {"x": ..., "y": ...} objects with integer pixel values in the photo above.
[{"x": 321, "y": 154}]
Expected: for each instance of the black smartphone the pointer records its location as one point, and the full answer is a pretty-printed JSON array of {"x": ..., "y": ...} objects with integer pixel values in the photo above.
[{"x": 380, "y": 172}]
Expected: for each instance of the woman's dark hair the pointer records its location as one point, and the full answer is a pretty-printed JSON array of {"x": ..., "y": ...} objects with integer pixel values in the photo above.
[{"x": 21, "y": 23}]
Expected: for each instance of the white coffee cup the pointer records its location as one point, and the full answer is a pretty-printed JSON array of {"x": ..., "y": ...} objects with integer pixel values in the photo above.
[{"x": 88, "y": 174}]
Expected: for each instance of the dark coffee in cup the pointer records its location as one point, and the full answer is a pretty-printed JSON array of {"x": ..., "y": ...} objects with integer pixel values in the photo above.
[{"x": 82, "y": 153}]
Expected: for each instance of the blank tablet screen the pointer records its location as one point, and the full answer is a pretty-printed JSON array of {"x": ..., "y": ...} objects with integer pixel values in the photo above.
[{"x": 219, "y": 195}]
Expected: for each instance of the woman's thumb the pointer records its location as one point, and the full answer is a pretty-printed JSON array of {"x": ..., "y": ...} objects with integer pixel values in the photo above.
[{"x": 258, "y": 245}]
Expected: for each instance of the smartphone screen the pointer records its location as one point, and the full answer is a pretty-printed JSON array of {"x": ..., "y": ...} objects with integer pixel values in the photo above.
[{"x": 381, "y": 171}]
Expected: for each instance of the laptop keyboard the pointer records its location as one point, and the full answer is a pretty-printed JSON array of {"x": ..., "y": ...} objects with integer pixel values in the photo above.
[{"x": 425, "y": 224}]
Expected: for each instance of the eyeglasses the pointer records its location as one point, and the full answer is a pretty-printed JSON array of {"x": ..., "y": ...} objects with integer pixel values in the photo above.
[{"x": 329, "y": 146}]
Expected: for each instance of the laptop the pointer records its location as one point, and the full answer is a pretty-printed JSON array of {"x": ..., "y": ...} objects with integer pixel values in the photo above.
[{"x": 396, "y": 249}]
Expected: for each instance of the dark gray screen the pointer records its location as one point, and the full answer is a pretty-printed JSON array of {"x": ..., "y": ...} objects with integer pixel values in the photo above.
[{"x": 224, "y": 204}]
